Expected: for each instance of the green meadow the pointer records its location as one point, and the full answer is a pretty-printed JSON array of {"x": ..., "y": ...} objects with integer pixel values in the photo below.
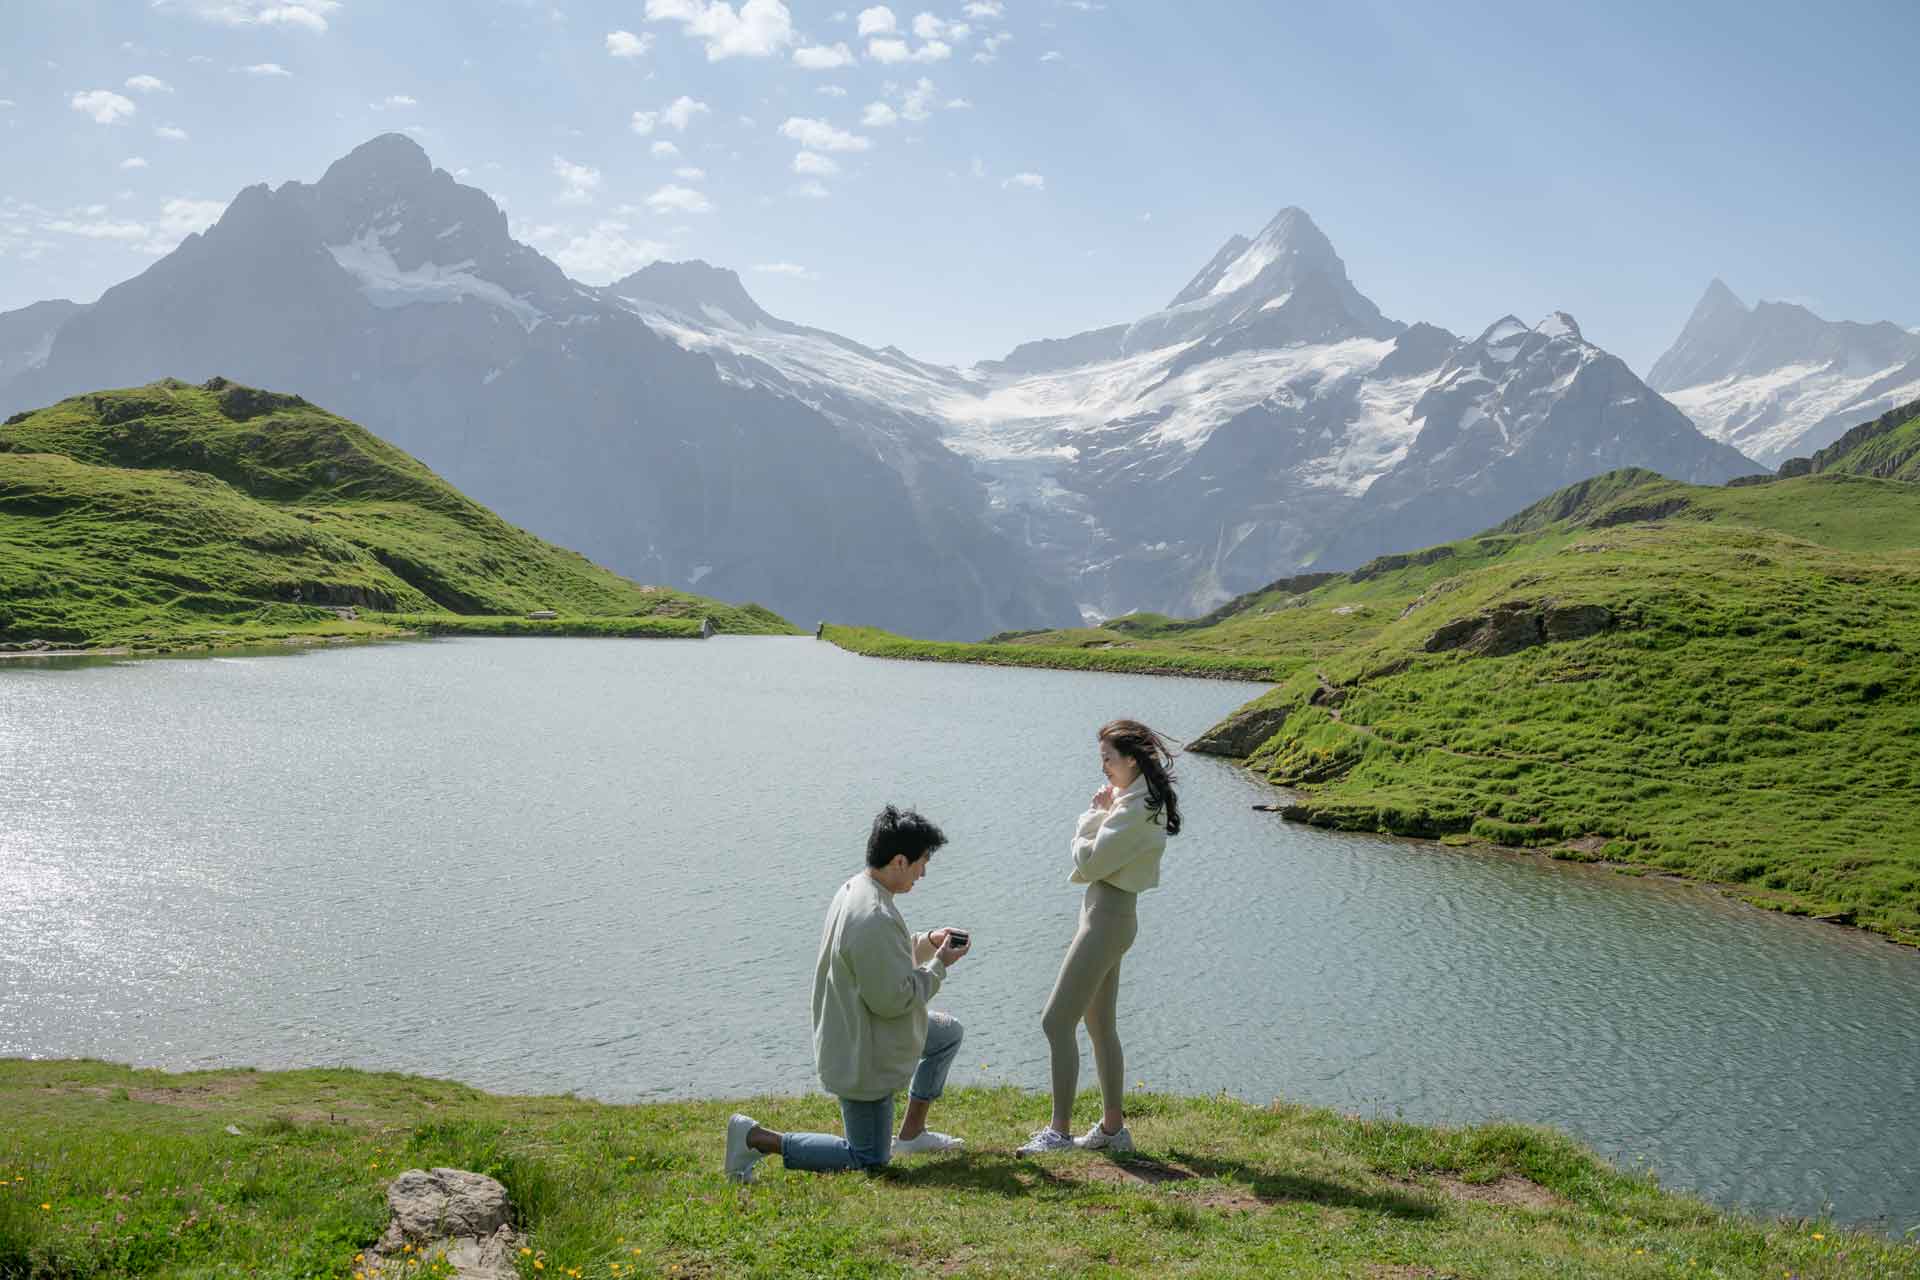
[
  {"x": 106, "y": 1171},
  {"x": 171, "y": 515}
]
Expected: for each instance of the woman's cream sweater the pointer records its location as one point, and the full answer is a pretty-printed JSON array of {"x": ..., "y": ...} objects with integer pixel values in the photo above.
[{"x": 1121, "y": 844}]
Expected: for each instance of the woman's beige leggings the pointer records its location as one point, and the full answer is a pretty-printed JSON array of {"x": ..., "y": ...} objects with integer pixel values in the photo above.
[{"x": 1089, "y": 987}]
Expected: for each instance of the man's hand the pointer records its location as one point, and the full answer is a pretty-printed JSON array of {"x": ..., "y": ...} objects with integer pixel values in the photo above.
[{"x": 948, "y": 953}]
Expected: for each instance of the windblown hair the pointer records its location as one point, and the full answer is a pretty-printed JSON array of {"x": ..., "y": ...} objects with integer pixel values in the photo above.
[
  {"x": 901, "y": 831},
  {"x": 1154, "y": 755}
]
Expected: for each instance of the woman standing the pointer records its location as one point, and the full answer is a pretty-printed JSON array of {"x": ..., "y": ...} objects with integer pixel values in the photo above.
[{"x": 1116, "y": 854}]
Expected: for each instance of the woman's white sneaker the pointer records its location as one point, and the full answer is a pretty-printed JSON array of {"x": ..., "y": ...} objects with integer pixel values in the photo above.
[
  {"x": 740, "y": 1157},
  {"x": 1047, "y": 1139},
  {"x": 1098, "y": 1139}
]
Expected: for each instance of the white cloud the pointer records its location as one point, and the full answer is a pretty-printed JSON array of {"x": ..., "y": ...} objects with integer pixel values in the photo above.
[
  {"x": 181, "y": 218},
  {"x": 958, "y": 104},
  {"x": 7, "y": 104},
  {"x": 812, "y": 162},
  {"x": 177, "y": 220},
  {"x": 600, "y": 255},
  {"x": 756, "y": 31},
  {"x": 812, "y": 190},
  {"x": 265, "y": 70},
  {"x": 148, "y": 84},
  {"x": 878, "y": 115},
  {"x": 309, "y": 15},
  {"x": 578, "y": 181},
  {"x": 823, "y": 57},
  {"x": 991, "y": 46},
  {"x": 1085, "y": 6},
  {"x": 673, "y": 199},
  {"x": 978, "y": 168},
  {"x": 665, "y": 150},
  {"x": 394, "y": 102},
  {"x": 876, "y": 21},
  {"x": 888, "y": 50},
  {"x": 690, "y": 174},
  {"x": 625, "y": 44},
  {"x": 1051, "y": 55},
  {"x": 680, "y": 112},
  {"x": 134, "y": 162},
  {"x": 793, "y": 269},
  {"x": 832, "y": 91},
  {"x": 982, "y": 9},
  {"x": 1026, "y": 181},
  {"x": 643, "y": 122},
  {"x": 928, "y": 27},
  {"x": 104, "y": 105},
  {"x": 917, "y": 103},
  {"x": 818, "y": 135}
]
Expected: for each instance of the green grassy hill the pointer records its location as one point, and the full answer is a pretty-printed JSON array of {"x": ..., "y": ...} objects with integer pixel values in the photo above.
[
  {"x": 1721, "y": 683},
  {"x": 172, "y": 514},
  {"x": 1888, "y": 447},
  {"x": 107, "y": 1171}
]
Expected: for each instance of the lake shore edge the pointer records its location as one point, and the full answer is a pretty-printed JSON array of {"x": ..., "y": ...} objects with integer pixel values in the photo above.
[{"x": 105, "y": 1162}]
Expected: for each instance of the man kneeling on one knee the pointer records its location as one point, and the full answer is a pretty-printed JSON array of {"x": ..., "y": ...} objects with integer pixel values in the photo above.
[{"x": 872, "y": 1031}]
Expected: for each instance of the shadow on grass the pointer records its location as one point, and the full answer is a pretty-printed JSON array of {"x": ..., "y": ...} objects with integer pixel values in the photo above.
[{"x": 1010, "y": 1176}]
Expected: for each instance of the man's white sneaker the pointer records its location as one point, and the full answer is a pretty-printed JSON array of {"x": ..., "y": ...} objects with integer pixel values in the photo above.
[
  {"x": 740, "y": 1157},
  {"x": 1098, "y": 1139},
  {"x": 1047, "y": 1139},
  {"x": 926, "y": 1140}
]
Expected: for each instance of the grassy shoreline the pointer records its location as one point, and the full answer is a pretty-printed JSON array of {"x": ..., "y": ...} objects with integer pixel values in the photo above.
[
  {"x": 107, "y": 1170},
  {"x": 871, "y": 642}
]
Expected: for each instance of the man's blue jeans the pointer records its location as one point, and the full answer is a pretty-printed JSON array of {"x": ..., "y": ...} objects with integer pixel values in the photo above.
[{"x": 869, "y": 1123}]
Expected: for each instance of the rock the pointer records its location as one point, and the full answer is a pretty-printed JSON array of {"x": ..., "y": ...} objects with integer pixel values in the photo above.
[
  {"x": 1519, "y": 624},
  {"x": 543, "y": 615},
  {"x": 1242, "y": 732},
  {"x": 464, "y": 1215},
  {"x": 707, "y": 630},
  {"x": 1793, "y": 467}
]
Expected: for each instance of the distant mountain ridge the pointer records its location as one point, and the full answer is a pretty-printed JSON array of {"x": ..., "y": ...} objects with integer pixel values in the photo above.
[
  {"x": 1775, "y": 379},
  {"x": 1269, "y": 419}
]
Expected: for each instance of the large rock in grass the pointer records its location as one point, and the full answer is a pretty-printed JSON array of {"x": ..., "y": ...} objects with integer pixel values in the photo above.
[
  {"x": 462, "y": 1216},
  {"x": 1243, "y": 731},
  {"x": 1519, "y": 624}
]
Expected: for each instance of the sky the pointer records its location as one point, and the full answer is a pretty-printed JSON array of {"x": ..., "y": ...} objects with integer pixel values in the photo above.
[{"x": 958, "y": 179}]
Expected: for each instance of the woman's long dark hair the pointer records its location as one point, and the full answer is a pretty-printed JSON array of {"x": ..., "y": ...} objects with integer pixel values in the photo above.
[{"x": 1154, "y": 756}]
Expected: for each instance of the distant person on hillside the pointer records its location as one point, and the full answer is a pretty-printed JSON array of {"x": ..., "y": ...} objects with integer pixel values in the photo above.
[
  {"x": 1116, "y": 854},
  {"x": 872, "y": 1032}
]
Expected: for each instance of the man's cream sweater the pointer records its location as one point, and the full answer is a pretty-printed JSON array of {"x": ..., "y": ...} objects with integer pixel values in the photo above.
[
  {"x": 870, "y": 993},
  {"x": 1122, "y": 843}
]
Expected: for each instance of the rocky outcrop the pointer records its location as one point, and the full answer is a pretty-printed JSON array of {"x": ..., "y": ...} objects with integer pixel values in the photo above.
[
  {"x": 1520, "y": 624},
  {"x": 462, "y": 1216},
  {"x": 1242, "y": 732}
]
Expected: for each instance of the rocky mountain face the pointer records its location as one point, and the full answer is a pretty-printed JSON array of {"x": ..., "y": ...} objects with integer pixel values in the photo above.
[
  {"x": 26, "y": 335},
  {"x": 391, "y": 294},
  {"x": 1268, "y": 419},
  {"x": 1775, "y": 379}
]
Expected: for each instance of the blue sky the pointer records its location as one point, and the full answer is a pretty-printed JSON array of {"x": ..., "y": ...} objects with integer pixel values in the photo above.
[{"x": 977, "y": 175}]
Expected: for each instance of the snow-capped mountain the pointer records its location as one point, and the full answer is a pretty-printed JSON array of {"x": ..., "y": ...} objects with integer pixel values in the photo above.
[
  {"x": 394, "y": 295},
  {"x": 1775, "y": 380},
  {"x": 1269, "y": 418}
]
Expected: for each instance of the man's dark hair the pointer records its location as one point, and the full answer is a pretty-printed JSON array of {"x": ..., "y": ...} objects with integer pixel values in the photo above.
[{"x": 901, "y": 831}]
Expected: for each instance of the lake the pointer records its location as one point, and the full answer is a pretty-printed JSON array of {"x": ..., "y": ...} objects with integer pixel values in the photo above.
[{"x": 601, "y": 866}]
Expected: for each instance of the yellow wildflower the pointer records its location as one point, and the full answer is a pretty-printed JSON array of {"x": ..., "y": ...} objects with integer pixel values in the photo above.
[
  {"x": 46, "y": 1206},
  {"x": 1819, "y": 1235}
]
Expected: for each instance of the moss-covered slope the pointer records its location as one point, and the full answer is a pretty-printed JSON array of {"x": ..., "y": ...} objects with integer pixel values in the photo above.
[{"x": 173, "y": 512}]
